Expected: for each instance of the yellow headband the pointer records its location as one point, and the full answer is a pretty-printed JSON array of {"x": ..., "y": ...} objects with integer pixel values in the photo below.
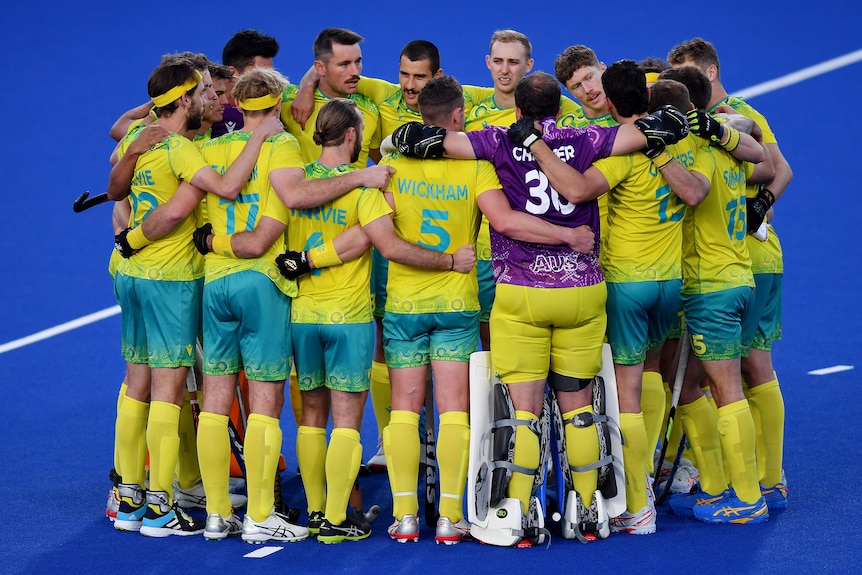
[
  {"x": 652, "y": 77},
  {"x": 177, "y": 91},
  {"x": 260, "y": 103}
]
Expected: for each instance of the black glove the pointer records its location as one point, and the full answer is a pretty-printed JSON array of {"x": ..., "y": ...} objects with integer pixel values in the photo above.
[
  {"x": 664, "y": 126},
  {"x": 756, "y": 208},
  {"x": 524, "y": 133},
  {"x": 121, "y": 244},
  {"x": 417, "y": 140},
  {"x": 200, "y": 238},
  {"x": 705, "y": 126},
  {"x": 293, "y": 264}
]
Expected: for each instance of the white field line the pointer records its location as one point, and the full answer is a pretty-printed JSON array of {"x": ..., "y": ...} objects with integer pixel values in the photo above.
[{"x": 62, "y": 328}]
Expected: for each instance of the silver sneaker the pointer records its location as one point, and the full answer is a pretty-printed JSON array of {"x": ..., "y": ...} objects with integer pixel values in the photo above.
[
  {"x": 404, "y": 530},
  {"x": 218, "y": 527},
  {"x": 195, "y": 497},
  {"x": 451, "y": 533},
  {"x": 275, "y": 528}
]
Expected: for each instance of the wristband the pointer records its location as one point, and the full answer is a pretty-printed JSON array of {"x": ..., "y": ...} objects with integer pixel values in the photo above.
[
  {"x": 325, "y": 255},
  {"x": 221, "y": 245},
  {"x": 732, "y": 141},
  {"x": 136, "y": 238},
  {"x": 452, "y": 267},
  {"x": 662, "y": 160}
]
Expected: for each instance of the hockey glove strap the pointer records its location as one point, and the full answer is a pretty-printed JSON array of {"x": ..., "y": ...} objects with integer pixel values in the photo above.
[
  {"x": 200, "y": 236},
  {"x": 292, "y": 264},
  {"x": 756, "y": 208},
  {"x": 523, "y": 133}
]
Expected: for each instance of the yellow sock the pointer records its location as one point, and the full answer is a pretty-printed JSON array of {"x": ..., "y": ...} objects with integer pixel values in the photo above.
[
  {"x": 736, "y": 427},
  {"x": 401, "y": 444},
  {"x": 342, "y": 464},
  {"x": 188, "y": 469},
  {"x": 262, "y": 449},
  {"x": 635, "y": 459},
  {"x": 653, "y": 409},
  {"x": 767, "y": 408},
  {"x": 453, "y": 449},
  {"x": 163, "y": 441},
  {"x": 214, "y": 447},
  {"x": 120, "y": 397},
  {"x": 582, "y": 448},
  {"x": 131, "y": 440},
  {"x": 701, "y": 428},
  {"x": 311, "y": 456},
  {"x": 526, "y": 455},
  {"x": 381, "y": 394},
  {"x": 295, "y": 396}
]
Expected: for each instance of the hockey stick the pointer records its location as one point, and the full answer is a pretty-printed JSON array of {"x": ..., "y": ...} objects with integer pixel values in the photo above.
[
  {"x": 682, "y": 364},
  {"x": 665, "y": 489},
  {"x": 430, "y": 458},
  {"x": 83, "y": 202}
]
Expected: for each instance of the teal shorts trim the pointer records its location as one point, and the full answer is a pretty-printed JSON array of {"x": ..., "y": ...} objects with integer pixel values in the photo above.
[
  {"x": 719, "y": 323},
  {"x": 413, "y": 340},
  {"x": 379, "y": 277},
  {"x": 337, "y": 357},
  {"x": 487, "y": 288},
  {"x": 160, "y": 320},
  {"x": 640, "y": 315},
  {"x": 767, "y": 308},
  {"x": 246, "y": 327}
]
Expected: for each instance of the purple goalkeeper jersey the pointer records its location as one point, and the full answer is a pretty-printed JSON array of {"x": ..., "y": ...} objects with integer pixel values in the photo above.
[
  {"x": 231, "y": 122},
  {"x": 528, "y": 190}
]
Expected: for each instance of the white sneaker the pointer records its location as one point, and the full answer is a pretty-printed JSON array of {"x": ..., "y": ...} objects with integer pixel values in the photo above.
[
  {"x": 378, "y": 460},
  {"x": 275, "y": 528},
  {"x": 218, "y": 527},
  {"x": 452, "y": 533},
  {"x": 405, "y": 529},
  {"x": 195, "y": 497},
  {"x": 113, "y": 505},
  {"x": 640, "y": 523},
  {"x": 684, "y": 480}
]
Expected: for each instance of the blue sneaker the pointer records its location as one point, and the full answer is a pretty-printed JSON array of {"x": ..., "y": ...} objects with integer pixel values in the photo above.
[
  {"x": 682, "y": 504},
  {"x": 163, "y": 518},
  {"x": 730, "y": 509},
  {"x": 130, "y": 508},
  {"x": 775, "y": 496}
]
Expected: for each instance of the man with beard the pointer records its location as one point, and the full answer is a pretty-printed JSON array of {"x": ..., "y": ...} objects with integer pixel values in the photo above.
[{"x": 159, "y": 293}]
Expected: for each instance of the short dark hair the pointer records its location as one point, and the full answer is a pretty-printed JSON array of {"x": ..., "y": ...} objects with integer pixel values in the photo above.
[
  {"x": 653, "y": 64},
  {"x": 625, "y": 86},
  {"x": 324, "y": 41},
  {"x": 418, "y": 50},
  {"x": 241, "y": 50},
  {"x": 439, "y": 97},
  {"x": 538, "y": 95},
  {"x": 699, "y": 51},
  {"x": 669, "y": 92},
  {"x": 699, "y": 88}
]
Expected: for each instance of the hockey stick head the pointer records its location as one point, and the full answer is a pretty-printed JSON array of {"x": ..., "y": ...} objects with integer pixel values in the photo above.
[{"x": 84, "y": 202}]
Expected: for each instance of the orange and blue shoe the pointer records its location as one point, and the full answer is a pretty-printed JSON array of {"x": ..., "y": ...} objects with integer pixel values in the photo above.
[
  {"x": 730, "y": 509},
  {"x": 682, "y": 504}
]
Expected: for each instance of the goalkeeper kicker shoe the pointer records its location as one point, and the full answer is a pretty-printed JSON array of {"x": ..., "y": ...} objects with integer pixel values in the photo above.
[
  {"x": 405, "y": 529},
  {"x": 218, "y": 527},
  {"x": 163, "y": 518},
  {"x": 276, "y": 527},
  {"x": 730, "y": 509}
]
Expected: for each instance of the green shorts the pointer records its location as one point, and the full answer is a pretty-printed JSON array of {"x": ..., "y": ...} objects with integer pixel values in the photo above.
[
  {"x": 487, "y": 288},
  {"x": 767, "y": 308},
  {"x": 719, "y": 323},
  {"x": 379, "y": 277},
  {"x": 412, "y": 340},
  {"x": 246, "y": 326},
  {"x": 335, "y": 356},
  {"x": 640, "y": 315},
  {"x": 160, "y": 320}
]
